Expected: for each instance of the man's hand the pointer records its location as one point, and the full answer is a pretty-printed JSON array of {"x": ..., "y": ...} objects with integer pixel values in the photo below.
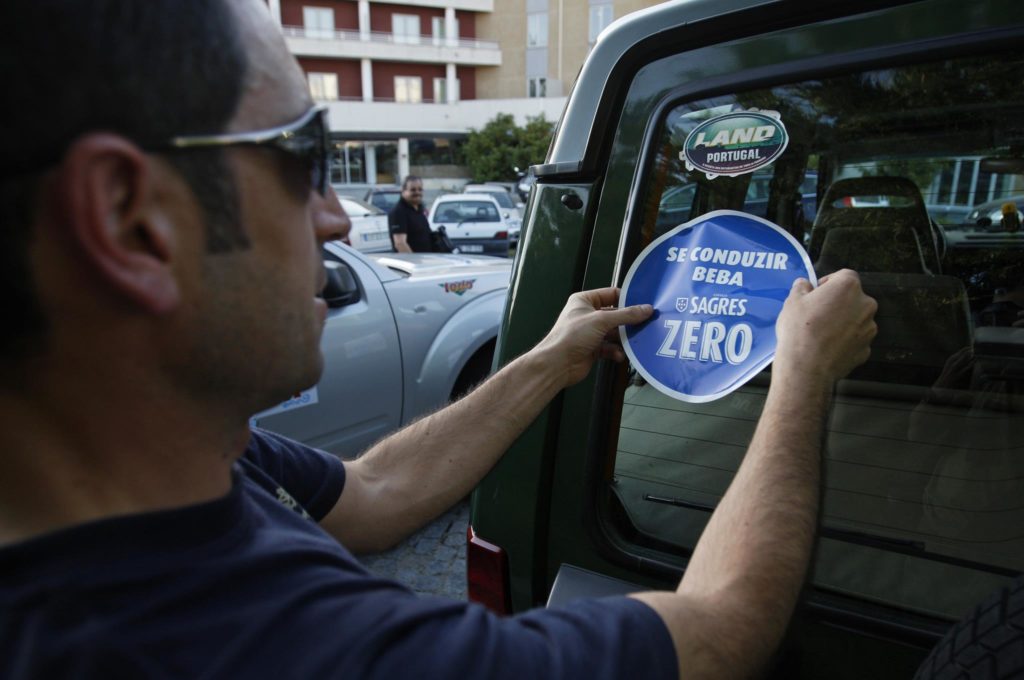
[
  {"x": 587, "y": 330},
  {"x": 824, "y": 332}
]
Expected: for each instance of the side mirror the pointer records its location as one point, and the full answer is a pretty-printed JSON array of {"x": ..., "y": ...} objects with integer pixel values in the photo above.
[{"x": 342, "y": 289}]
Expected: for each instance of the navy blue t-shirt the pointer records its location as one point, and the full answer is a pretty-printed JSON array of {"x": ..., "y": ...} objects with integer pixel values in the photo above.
[{"x": 249, "y": 586}]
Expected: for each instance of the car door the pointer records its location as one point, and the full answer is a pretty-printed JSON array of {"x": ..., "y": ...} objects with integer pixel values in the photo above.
[{"x": 359, "y": 397}]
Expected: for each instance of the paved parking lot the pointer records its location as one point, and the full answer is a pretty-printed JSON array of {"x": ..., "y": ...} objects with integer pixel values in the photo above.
[{"x": 433, "y": 560}]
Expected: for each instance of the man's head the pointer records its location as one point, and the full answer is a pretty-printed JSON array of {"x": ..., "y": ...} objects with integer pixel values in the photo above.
[
  {"x": 412, "y": 190},
  {"x": 144, "y": 70},
  {"x": 204, "y": 260}
]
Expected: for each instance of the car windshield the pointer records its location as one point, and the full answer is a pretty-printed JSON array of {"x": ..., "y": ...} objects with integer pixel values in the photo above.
[
  {"x": 466, "y": 211},
  {"x": 502, "y": 197}
]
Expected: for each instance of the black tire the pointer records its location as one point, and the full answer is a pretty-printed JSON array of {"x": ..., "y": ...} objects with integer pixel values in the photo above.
[
  {"x": 475, "y": 371},
  {"x": 987, "y": 644}
]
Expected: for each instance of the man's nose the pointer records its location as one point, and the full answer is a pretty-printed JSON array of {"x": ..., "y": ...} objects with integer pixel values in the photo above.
[{"x": 330, "y": 222}]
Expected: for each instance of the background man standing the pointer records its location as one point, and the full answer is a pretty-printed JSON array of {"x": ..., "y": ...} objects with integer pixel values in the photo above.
[{"x": 410, "y": 230}]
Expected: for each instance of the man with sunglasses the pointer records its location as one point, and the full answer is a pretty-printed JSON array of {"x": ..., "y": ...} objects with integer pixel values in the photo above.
[{"x": 163, "y": 213}]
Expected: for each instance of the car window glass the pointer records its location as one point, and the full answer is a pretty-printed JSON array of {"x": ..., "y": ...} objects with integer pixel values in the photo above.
[
  {"x": 503, "y": 199},
  {"x": 923, "y": 505},
  {"x": 466, "y": 211}
]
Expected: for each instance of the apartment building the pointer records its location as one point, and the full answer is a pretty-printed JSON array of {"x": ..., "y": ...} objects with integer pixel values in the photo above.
[
  {"x": 544, "y": 43},
  {"x": 405, "y": 80},
  {"x": 399, "y": 79}
]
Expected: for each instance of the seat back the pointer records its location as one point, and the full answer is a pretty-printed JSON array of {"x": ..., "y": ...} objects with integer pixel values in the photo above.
[
  {"x": 871, "y": 249},
  {"x": 897, "y": 203},
  {"x": 922, "y": 321}
]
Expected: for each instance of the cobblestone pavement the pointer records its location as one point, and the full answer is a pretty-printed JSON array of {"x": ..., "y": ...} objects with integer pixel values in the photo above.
[{"x": 433, "y": 560}]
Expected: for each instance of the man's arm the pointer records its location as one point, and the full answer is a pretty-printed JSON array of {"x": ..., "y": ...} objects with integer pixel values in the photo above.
[
  {"x": 416, "y": 474},
  {"x": 737, "y": 595},
  {"x": 401, "y": 241}
]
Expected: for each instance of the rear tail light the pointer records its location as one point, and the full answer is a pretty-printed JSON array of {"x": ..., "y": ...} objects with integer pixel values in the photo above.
[
  {"x": 847, "y": 201},
  {"x": 487, "y": 574},
  {"x": 501, "y": 235}
]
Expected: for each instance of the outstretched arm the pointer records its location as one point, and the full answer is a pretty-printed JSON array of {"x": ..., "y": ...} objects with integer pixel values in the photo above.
[
  {"x": 416, "y": 474},
  {"x": 741, "y": 585}
]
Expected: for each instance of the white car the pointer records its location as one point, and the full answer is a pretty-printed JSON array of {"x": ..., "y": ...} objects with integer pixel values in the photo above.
[
  {"x": 475, "y": 223},
  {"x": 369, "y": 232},
  {"x": 505, "y": 200}
]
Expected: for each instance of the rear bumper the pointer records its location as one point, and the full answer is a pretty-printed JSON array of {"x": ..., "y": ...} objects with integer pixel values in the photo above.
[{"x": 482, "y": 246}]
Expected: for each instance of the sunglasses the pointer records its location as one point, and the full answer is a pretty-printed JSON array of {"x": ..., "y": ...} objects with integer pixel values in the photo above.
[{"x": 306, "y": 139}]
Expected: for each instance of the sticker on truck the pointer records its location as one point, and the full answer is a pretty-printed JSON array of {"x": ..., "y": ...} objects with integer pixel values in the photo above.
[
  {"x": 717, "y": 285},
  {"x": 736, "y": 143}
]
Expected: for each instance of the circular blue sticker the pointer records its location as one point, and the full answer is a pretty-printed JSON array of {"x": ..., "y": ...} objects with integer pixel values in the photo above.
[{"x": 717, "y": 285}]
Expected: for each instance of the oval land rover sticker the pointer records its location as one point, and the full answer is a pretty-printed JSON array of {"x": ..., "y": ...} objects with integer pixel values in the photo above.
[
  {"x": 735, "y": 144},
  {"x": 717, "y": 285}
]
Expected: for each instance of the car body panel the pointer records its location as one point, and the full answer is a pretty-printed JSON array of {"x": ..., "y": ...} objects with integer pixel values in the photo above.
[
  {"x": 369, "y": 233},
  {"x": 361, "y": 347},
  {"x": 396, "y": 352}
]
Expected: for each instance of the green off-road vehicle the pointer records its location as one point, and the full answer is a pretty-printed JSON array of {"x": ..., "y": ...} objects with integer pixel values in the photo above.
[{"x": 901, "y": 117}]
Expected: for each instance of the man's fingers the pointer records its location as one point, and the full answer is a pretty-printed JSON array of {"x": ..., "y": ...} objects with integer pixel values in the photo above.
[
  {"x": 601, "y": 297},
  {"x": 634, "y": 314}
]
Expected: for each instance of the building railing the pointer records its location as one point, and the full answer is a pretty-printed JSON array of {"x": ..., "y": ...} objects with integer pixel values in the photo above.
[
  {"x": 381, "y": 100},
  {"x": 387, "y": 38}
]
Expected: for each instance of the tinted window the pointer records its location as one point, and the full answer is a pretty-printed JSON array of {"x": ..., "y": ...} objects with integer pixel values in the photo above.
[{"x": 923, "y": 505}]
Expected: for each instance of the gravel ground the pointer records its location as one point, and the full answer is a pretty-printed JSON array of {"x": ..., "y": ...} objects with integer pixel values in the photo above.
[{"x": 433, "y": 560}]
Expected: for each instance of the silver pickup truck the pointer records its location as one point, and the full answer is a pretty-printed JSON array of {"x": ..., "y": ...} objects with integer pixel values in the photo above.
[{"x": 404, "y": 335}]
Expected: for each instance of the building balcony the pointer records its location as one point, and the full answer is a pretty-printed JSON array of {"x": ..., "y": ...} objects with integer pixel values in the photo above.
[
  {"x": 425, "y": 49},
  {"x": 382, "y": 119},
  {"x": 468, "y": 5}
]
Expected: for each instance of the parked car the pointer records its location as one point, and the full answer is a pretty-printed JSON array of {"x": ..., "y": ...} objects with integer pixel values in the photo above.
[
  {"x": 524, "y": 183},
  {"x": 404, "y": 335},
  {"x": 677, "y": 202},
  {"x": 474, "y": 223},
  {"x": 505, "y": 200},
  {"x": 383, "y": 197},
  {"x": 610, "y": 487},
  {"x": 369, "y": 232},
  {"x": 988, "y": 216}
]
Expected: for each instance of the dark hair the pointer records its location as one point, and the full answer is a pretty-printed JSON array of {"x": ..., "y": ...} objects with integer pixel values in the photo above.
[
  {"x": 410, "y": 178},
  {"x": 144, "y": 69}
]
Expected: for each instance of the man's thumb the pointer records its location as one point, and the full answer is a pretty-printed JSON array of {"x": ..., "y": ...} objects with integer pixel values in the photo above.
[{"x": 633, "y": 314}]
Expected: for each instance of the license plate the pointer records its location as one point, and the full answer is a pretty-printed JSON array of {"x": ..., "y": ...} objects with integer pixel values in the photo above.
[
  {"x": 471, "y": 249},
  {"x": 375, "y": 236}
]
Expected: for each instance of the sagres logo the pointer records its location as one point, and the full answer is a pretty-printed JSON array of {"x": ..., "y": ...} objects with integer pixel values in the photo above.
[
  {"x": 457, "y": 287},
  {"x": 735, "y": 144}
]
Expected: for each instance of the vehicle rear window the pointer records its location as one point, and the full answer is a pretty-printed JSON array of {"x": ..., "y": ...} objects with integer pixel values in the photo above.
[
  {"x": 466, "y": 211},
  {"x": 502, "y": 197},
  {"x": 923, "y": 506}
]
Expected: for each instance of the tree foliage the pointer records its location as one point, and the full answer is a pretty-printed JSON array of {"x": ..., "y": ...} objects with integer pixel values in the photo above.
[{"x": 499, "y": 147}]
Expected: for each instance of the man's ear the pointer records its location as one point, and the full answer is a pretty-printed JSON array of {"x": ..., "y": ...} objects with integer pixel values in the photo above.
[{"x": 110, "y": 208}]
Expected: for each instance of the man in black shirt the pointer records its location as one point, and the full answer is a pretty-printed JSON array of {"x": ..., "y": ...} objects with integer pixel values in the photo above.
[{"x": 410, "y": 230}]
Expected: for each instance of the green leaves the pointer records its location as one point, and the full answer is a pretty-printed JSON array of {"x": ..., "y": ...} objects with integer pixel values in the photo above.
[{"x": 496, "y": 150}]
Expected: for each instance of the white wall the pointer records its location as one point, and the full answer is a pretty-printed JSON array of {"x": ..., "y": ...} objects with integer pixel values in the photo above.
[{"x": 419, "y": 120}]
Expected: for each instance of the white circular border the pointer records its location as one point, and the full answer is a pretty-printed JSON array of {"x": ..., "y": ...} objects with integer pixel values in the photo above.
[{"x": 658, "y": 385}]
